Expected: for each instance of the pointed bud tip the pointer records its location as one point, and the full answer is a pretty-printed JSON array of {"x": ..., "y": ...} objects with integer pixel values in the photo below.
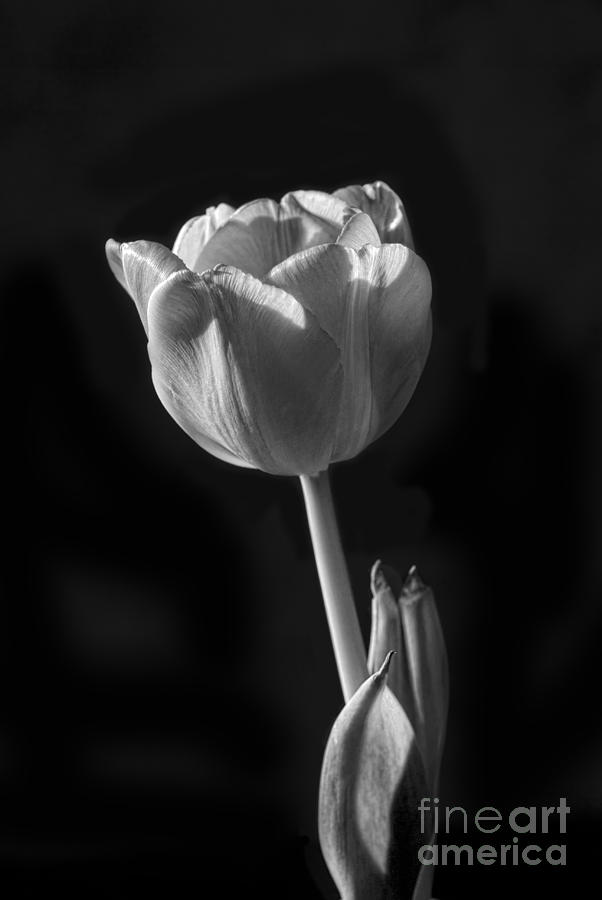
[
  {"x": 384, "y": 669},
  {"x": 384, "y": 578},
  {"x": 413, "y": 585},
  {"x": 377, "y": 578}
]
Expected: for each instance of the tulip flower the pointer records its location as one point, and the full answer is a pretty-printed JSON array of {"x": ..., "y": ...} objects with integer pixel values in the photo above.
[{"x": 285, "y": 337}]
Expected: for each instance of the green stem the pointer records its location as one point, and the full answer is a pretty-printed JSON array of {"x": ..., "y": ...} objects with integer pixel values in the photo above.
[{"x": 349, "y": 650}]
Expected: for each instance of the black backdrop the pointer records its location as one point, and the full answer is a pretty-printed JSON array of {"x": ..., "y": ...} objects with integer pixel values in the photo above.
[{"x": 167, "y": 681}]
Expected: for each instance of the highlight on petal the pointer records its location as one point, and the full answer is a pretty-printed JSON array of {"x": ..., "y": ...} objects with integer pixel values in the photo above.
[
  {"x": 385, "y": 209},
  {"x": 140, "y": 267},
  {"x": 325, "y": 281},
  {"x": 195, "y": 233},
  {"x": 370, "y": 789},
  {"x": 375, "y": 304},
  {"x": 262, "y": 233},
  {"x": 243, "y": 364}
]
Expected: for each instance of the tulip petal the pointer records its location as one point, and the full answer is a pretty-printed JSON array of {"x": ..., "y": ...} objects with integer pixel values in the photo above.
[
  {"x": 374, "y": 303},
  {"x": 371, "y": 785},
  {"x": 195, "y": 233},
  {"x": 262, "y": 233},
  {"x": 320, "y": 205},
  {"x": 398, "y": 286},
  {"x": 357, "y": 231},
  {"x": 113, "y": 253},
  {"x": 323, "y": 279},
  {"x": 140, "y": 267},
  {"x": 249, "y": 240},
  {"x": 243, "y": 364},
  {"x": 384, "y": 208}
]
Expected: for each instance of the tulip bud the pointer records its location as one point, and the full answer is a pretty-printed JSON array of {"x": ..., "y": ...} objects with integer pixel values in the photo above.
[
  {"x": 420, "y": 679},
  {"x": 411, "y": 626},
  {"x": 371, "y": 785},
  {"x": 429, "y": 677},
  {"x": 428, "y": 669},
  {"x": 386, "y": 635}
]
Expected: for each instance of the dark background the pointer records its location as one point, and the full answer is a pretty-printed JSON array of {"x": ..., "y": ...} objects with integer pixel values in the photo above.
[{"x": 167, "y": 683}]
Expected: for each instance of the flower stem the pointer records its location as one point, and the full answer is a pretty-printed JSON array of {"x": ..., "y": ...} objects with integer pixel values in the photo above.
[{"x": 349, "y": 650}]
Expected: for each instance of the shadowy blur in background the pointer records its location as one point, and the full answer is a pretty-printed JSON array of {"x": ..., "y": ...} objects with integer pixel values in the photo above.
[{"x": 167, "y": 679}]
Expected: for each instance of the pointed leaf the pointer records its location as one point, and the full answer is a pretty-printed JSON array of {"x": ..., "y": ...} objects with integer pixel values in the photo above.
[{"x": 372, "y": 782}]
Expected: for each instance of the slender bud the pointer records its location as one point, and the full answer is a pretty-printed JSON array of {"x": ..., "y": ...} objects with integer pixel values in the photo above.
[
  {"x": 420, "y": 679},
  {"x": 372, "y": 782},
  {"x": 386, "y": 630},
  {"x": 427, "y": 664}
]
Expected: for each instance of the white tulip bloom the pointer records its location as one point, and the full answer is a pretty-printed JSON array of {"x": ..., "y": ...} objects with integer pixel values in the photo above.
[{"x": 285, "y": 336}]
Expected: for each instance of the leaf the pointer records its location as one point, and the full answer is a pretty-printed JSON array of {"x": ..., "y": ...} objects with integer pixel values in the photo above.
[{"x": 372, "y": 782}]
